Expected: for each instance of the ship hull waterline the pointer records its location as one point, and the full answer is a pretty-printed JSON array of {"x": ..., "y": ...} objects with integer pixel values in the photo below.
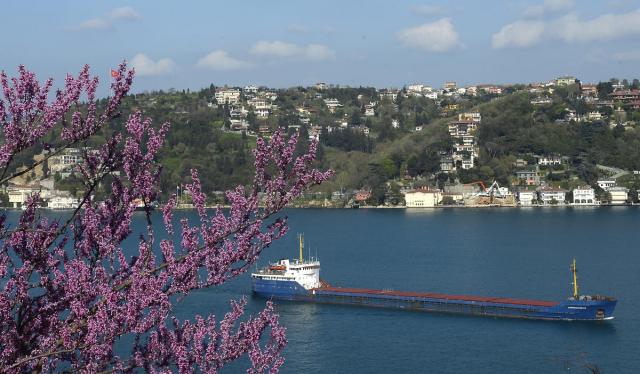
[{"x": 569, "y": 310}]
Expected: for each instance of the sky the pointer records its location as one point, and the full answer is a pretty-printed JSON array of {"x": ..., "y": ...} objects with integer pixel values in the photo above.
[{"x": 192, "y": 44}]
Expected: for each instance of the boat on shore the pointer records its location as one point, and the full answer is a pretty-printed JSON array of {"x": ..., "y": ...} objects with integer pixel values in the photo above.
[{"x": 299, "y": 280}]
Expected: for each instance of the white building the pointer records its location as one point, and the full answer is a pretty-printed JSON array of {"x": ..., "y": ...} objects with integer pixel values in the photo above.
[
  {"x": 468, "y": 162},
  {"x": 423, "y": 198},
  {"x": 566, "y": 80},
  {"x": 415, "y": 88},
  {"x": 470, "y": 116},
  {"x": 69, "y": 158},
  {"x": 250, "y": 89},
  {"x": 549, "y": 160},
  {"x": 584, "y": 196},
  {"x": 332, "y": 104},
  {"x": 450, "y": 85},
  {"x": 227, "y": 96},
  {"x": 461, "y": 128},
  {"x": 447, "y": 164},
  {"x": 606, "y": 184},
  {"x": 594, "y": 116},
  {"x": 63, "y": 202},
  {"x": 392, "y": 95},
  {"x": 619, "y": 195},
  {"x": 369, "y": 110},
  {"x": 259, "y": 103},
  {"x": 431, "y": 95},
  {"x": 238, "y": 124},
  {"x": 526, "y": 198},
  {"x": 262, "y": 112},
  {"x": 552, "y": 196},
  {"x": 541, "y": 101},
  {"x": 19, "y": 194},
  {"x": 271, "y": 95}
]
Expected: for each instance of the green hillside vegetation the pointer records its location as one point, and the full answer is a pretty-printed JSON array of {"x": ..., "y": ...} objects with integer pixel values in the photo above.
[{"x": 384, "y": 151}]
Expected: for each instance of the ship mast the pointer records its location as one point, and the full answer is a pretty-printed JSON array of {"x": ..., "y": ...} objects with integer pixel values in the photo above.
[
  {"x": 574, "y": 270},
  {"x": 301, "y": 236}
]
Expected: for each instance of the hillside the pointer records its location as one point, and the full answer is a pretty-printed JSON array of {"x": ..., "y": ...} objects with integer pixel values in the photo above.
[{"x": 385, "y": 140}]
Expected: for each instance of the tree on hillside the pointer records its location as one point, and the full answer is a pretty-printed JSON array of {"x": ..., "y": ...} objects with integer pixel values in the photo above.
[
  {"x": 604, "y": 89},
  {"x": 70, "y": 289}
]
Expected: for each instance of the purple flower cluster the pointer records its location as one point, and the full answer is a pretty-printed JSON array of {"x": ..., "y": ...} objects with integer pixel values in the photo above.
[{"x": 68, "y": 290}]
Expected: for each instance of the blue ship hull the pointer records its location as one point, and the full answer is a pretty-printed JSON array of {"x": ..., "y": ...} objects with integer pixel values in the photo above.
[{"x": 585, "y": 310}]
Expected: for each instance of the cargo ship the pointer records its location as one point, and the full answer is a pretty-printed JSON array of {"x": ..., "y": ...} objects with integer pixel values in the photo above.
[{"x": 299, "y": 280}]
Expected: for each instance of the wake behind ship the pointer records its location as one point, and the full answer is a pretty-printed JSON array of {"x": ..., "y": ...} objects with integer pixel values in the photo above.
[{"x": 299, "y": 280}]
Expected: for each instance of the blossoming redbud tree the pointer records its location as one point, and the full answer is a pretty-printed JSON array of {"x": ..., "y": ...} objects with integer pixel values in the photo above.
[{"x": 68, "y": 289}]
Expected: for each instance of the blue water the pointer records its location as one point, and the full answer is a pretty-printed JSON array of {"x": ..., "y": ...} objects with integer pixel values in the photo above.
[{"x": 523, "y": 253}]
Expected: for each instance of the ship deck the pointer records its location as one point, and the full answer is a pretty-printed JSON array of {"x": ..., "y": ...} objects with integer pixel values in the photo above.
[{"x": 430, "y": 295}]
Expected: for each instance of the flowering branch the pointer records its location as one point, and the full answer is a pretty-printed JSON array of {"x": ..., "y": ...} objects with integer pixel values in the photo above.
[{"x": 71, "y": 290}]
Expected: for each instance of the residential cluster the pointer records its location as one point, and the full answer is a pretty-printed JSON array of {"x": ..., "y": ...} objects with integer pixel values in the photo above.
[
  {"x": 440, "y": 131},
  {"x": 249, "y": 108},
  {"x": 49, "y": 178},
  {"x": 465, "y": 149},
  {"x": 474, "y": 196},
  {"x": 611, "y": 101}
]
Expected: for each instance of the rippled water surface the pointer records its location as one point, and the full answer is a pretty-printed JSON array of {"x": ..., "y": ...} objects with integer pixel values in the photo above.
[{"x": 523, "y": 253}]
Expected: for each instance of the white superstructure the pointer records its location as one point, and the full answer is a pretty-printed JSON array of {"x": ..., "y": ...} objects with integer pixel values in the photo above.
[{"x": 305, "y": 272}]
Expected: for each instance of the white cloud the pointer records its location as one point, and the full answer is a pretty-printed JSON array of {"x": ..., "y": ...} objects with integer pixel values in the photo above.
[
  {"x": 549, "y": 6},
  {"x": 319, "y": 52},
  {"x": 107, "y": 22},
  {"x": 605, "y": 27},
  {"x": 426, "y": 10},
  {"x": 277, "y": 48},
  {"x": 95, "y": 24},
  {"x": 569, "y": 28},
  {"x": 518, "y": 34},
  {"x": 438, "y": 36},
  {"x": 146, "y": 66},
  {"x": 124, "y": 13},
  {"x": 220, "y": 60}
]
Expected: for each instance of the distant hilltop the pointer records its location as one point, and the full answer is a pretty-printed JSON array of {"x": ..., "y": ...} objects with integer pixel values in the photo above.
[{"x": 561, "y": 135}]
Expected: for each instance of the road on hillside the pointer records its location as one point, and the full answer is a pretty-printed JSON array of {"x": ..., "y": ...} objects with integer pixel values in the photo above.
[{"x": 615, "y": 172}]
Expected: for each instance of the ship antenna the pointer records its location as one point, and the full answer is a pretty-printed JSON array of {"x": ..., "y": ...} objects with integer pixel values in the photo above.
[
  {"x": 574, "y": 270},
  {"x": 301, "y": 236}
]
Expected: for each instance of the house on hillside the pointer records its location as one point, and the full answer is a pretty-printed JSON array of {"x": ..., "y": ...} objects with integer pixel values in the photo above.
[
  {"x": 566, "y": 80},
  {"x": 594, "y": 116},
  {"x": 549, "y": 160},
  {"x": 589, "y": 90},
  {"x": 446, "y": 164},
  {"x": 619, "y": 195},
  {"x": 467, "y": 162},
  {"x": 529, "y": 176},
  {"x": 606, "y": 184},
  {"x": 423, "y": 198},
  {"x": 526, "y": 198},
  {"x": 332, "y": 104},
  {"x": 227, "y": 96},
  {"x": 552, "y": 196},
  {"x": 584, "y": 196},
  {"x": 470, "y": 116}
]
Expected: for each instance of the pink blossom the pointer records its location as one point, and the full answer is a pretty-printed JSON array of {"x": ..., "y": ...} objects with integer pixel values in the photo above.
[{"x": 68, "y": 292}]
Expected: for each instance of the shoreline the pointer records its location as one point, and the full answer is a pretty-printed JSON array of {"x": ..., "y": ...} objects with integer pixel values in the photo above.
[{"x": 398, "y": 207}]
